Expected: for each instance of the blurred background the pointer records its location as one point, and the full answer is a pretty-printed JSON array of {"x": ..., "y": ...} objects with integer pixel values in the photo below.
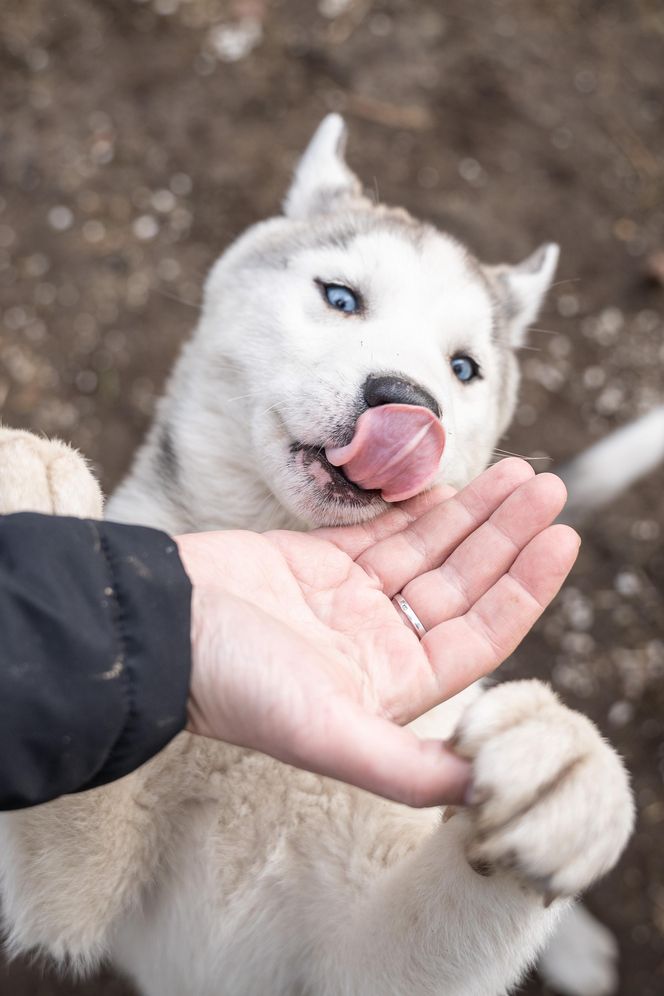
[{"x": 138, "y": 137}]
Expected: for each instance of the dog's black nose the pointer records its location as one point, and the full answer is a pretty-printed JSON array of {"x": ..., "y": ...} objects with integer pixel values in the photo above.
[{"x": 391, "y": 390}]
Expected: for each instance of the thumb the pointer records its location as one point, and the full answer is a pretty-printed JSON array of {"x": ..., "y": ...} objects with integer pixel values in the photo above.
[{"x": 377, "y": 755}]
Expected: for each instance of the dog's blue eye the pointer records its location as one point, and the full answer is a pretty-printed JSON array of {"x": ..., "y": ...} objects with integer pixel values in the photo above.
[
  {"x": 341, "y": 298},
  {"x": 465, "y": 368}
]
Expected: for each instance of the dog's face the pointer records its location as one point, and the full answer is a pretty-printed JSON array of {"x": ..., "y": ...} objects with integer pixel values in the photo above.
[{"x": 342, "y": 307}]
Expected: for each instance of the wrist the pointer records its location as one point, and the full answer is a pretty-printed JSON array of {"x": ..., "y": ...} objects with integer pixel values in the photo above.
[{"x": 189, "y": 551}]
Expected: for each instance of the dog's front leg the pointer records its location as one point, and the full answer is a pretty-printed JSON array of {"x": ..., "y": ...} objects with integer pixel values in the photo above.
[
  {"x": 466, "y": 912},
  {"x": 431, "y": 924}
]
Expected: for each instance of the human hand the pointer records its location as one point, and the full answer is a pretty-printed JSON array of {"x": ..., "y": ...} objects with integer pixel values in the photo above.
[{"x": 298, "y": 650}]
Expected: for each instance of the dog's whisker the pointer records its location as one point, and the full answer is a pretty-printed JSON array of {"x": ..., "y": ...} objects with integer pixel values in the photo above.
[
  {"x": 499, "y": 454},
  {"x": 375, "y": 191},
  {"x": 180, "y": 300},
  {"x": 242, "y": 397},
  {"x": 277, "y": 404},
  {"x": 511, "y": 349},
  {"x": 567, "y": 280}
]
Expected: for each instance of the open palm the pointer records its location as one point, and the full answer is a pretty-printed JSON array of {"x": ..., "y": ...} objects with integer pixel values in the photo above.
[{"x": 300, "y": 652}]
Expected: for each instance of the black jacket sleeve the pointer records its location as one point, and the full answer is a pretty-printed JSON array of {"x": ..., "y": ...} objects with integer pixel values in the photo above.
[{"x": 95, "y": 653}]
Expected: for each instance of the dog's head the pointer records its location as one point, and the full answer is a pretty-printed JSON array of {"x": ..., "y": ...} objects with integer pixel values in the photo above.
[{"x": 371, "y": 354}]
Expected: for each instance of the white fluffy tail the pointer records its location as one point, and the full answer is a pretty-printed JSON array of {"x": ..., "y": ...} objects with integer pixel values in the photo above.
[{"x": 608, "y": 468}]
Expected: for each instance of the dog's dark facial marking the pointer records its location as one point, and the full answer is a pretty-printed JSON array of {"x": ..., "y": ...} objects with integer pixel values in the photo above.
[
  {"x": 169, "y": 474},
  {"x": 167, "y": 460},
  {"x": 278, "y": 249}
]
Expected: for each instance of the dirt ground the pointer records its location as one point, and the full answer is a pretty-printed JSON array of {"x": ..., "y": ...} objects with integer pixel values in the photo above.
[{"x": 139, "y": 137}]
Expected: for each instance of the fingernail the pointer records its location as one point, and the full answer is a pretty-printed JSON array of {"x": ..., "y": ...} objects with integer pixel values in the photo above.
[
  {"x": 456, "y": 772},
  {"x": 452, "y": 741}
]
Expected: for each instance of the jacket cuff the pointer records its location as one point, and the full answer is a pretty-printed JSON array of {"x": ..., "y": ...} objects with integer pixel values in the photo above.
[{"x": 150, "y": 601}]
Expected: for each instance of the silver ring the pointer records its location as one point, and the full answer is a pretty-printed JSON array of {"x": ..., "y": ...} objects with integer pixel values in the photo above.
[{"x": 400, "y": 602}]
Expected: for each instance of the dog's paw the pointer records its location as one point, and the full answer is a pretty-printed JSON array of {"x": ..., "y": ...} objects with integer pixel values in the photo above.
[
  {"x": 550, "y": 799},
  {"x": 580, "y": 958},
  {"x": 42, "y": 475}
]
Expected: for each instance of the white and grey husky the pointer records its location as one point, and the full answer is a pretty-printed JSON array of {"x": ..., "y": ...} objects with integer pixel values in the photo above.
[{"x": 215, "y": 871}]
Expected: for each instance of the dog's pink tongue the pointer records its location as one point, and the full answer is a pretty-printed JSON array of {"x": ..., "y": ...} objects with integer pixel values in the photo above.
[{"x": 396, "y": 449}]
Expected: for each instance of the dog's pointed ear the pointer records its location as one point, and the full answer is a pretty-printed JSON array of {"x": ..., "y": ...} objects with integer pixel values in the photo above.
[
  {"x": 520, "y": 290},
  {"x": 323, "y": 181}
]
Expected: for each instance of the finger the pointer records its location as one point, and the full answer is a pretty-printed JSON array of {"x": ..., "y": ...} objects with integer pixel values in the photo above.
[
  {"x": 374, "y": 754},
  {"x": 487, "y": 553},
  {"x": 354, "y": 540},
  {"x": 431, "y": 538},
  {"x": 466, "y": 648}
]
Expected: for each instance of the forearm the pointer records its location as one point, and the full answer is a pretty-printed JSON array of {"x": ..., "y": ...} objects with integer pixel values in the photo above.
[{"x": 95, "y": 653}]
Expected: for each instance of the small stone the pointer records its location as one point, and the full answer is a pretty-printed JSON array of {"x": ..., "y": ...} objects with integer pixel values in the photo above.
[
  {"x": 646, "y": 530},
  {"x": 610, "y": 400},
  {"x": 166, "y": 7},
  {"x": 181, "y": 184},
  {"x": 333, "y": 8},
  {"x": 627, "y": 583},
  {"x": 621, "y": 713},
  {"x": 624, "y": 229},
  {"x": 471, "y": 171},
  {"x": 37, "y": 265},
  {"x": 594, "y": 377},
  {"x": 60, "y": 218},
  {"x": 233, "y": 42},
  {"x": 37, "y": 59},
  {"x": 145, "y": 227},
  {"x": 568, "y": 305},
  {"x": 93, "y": 231},
  {"x": 163, "y": 201}
]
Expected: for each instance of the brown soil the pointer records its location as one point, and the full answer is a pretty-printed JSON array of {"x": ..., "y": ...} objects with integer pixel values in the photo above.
[{"x": 134, "y": 150}]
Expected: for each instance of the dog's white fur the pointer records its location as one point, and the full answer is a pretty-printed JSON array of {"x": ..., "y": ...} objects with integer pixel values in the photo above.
[{"x": 214, "y": 870}]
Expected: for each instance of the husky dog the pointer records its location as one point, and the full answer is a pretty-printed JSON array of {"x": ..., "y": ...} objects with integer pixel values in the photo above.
[{"x": 215, "y": 870}]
